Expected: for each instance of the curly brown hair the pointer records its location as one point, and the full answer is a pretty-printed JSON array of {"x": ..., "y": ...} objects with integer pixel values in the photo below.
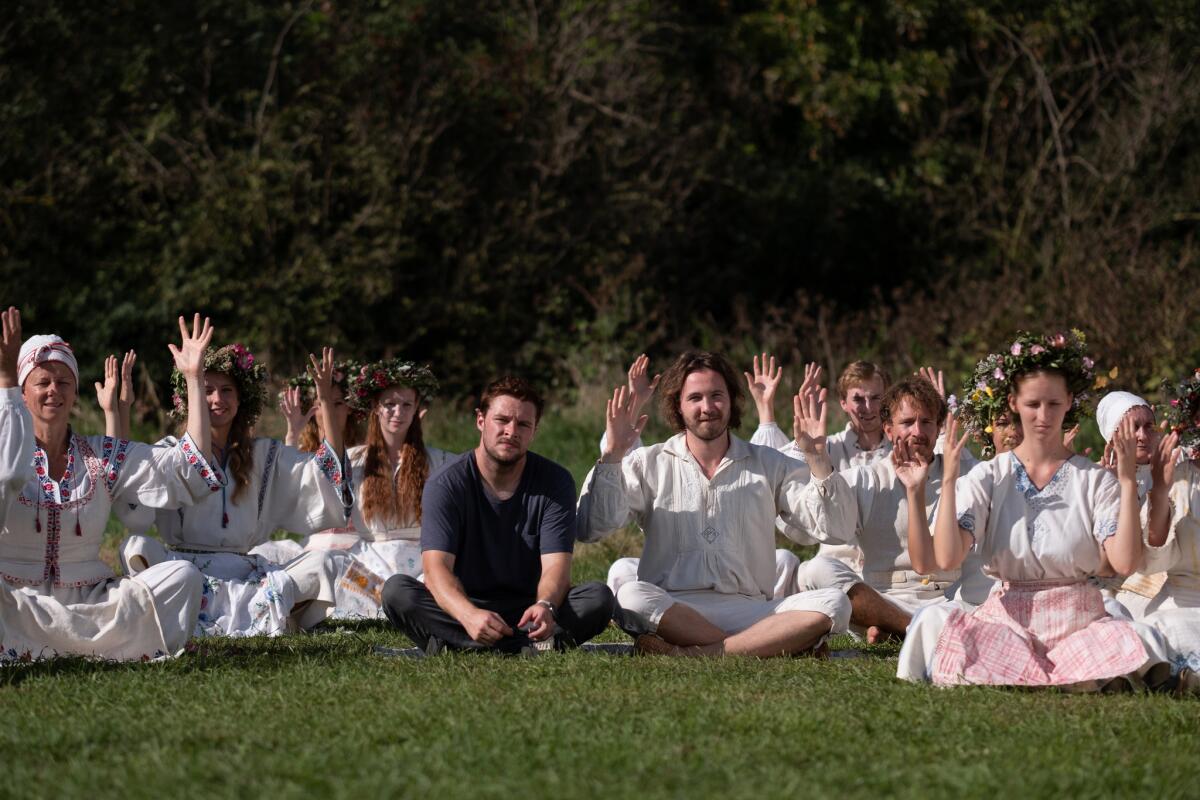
[
  {"x": 920, "y": 391},
  {"x": 671, "y": 386}
]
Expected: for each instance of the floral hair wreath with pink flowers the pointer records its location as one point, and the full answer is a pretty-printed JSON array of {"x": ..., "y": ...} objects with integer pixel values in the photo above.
[
  {"x": 374, "y": 378},
  {"x": 236, "y": 361},
  {"x": 1182, "y": 403},
  {"x": 985, "y": 397}
]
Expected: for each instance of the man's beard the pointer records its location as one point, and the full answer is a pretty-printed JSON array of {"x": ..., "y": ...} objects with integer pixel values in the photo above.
[
  {"x": 720, "y": 426},
  {"x": 504, "y": 461}
]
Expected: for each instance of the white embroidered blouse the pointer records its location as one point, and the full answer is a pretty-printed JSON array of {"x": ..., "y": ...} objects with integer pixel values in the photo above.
[{"x": 1027, "y": 534}]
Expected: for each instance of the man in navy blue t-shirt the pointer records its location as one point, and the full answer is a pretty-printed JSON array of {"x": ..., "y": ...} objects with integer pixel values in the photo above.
[{"x": 497, "y": 531}]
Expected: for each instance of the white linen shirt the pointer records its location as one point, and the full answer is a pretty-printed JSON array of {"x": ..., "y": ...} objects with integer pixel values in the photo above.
[{"x": 702, "y": 534}]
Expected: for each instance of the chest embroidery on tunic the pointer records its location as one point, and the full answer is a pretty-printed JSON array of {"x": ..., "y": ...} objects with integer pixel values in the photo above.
[
  {"x": 710, "y": 534},
  {"x": 1037, "y": 500}
]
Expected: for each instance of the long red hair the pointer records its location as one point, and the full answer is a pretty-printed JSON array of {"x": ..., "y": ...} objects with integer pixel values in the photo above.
[{"x": 395, "y": 501}]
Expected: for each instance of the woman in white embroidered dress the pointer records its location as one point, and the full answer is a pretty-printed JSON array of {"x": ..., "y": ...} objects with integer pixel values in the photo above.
[
  {"x": 271, "y": 486},
  {"x": 390, "y": 471},
  {"x": 56, "y": 596},
  {"x": 1045, "y": 520}
]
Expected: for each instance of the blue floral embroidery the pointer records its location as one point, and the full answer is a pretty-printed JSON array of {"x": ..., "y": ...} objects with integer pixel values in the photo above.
[
  {"x": 213, "y": 477},
  {"x": 1105, "y": 528},
  {"x": 1037, "y": 500},
  {"x": 966, "y": 521},
  {"x": 113, "y": 453},
  {"x": 332, "y": 468},
  {"x": 1185, "y": 660}
]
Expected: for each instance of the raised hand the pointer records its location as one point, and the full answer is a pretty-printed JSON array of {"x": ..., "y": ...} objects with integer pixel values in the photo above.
[
  {"x": 952, "y": 450},
  {"x": 763, "y": 384},
  {"x": 1163, "y": 458},
  {"x": 291, "y": 406},
  {"x": 622, "y": 426},
  {"x": 936, "y": 378},
  {"x": 641, "y": 387},
  {"x": 106, "y": 393},
  {"x": 10, "y": 346},
  {"x": 812, "y": 377},
  {"x": 189, "y": 355},
  {"x": 322, "y": 374},
  {"x": 810, "y": 413},
  {"x": 127, "y": 365},
  {"x": 1069, "y": 438},
  {"x": 912, "y": 468},
  {"x": 1124, "y": 445}
]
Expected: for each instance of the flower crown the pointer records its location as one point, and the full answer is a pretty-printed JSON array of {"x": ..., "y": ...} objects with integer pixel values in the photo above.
[
  {"x": 985, "y": 398},
  {"x": 236, "y": 361},
  {"x": 372, "y": 379},
  {"x": 1179, "y": 412}
]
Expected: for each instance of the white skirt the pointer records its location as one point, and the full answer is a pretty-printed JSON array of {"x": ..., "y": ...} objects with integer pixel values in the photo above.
[{"x": 123, "y": 619}]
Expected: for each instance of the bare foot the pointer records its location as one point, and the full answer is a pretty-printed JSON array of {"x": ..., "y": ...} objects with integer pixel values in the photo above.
[{"x": 877, "y": 635}]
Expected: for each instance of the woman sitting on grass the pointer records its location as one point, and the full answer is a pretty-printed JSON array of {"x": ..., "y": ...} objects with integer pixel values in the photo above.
[
  {"x": 389, "y": 472},
  {"x": 1045, "y": 520},
  {"x": 57, "y": 597},
  {"x": 271, "y": 486}
]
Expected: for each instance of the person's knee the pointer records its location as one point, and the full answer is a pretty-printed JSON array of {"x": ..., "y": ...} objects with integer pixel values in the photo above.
[
  {"x": 401, "y": 594},
  {"x": 622, "y": 571},
  {"x": 594, "y": 600},
  {"x": 831, "y": 602},
  {"x": 823, "y": 572}
]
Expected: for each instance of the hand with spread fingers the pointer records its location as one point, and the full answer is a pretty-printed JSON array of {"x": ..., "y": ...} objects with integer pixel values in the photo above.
[
  {"x": 641, "y": 387},
  {"x": 763, "y": 383},
  {"x": 622, "y": 425}
]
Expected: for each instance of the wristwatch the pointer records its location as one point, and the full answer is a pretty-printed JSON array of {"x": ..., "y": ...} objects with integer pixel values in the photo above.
[{"x": 549, "y": 605}]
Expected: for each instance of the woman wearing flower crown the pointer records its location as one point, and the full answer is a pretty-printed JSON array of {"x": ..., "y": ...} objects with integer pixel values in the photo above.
[
  {"x": 1045, "y": 520},
  {"x": 270, "y": 486},
  {"x": 390, "y": 470},
  {"x": 56, "y": 596}
]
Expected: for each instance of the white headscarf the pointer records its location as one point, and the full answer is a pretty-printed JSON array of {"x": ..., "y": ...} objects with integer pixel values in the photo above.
[
  {"x": 1112, "y": 408},
  {"x": 40, "y": 349}
]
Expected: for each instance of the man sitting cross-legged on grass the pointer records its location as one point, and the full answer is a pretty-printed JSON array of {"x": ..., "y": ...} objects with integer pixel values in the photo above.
[
  {"x": 871, "y": 505},
  {"x": 707, "y": 502},
  {"x": 497, "y": 531}
]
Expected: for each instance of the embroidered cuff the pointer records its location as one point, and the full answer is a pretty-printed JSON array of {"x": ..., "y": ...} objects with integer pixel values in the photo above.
[
  {"x": 1105, "y": 528},
  {"x": 966, "y": 521},
  {"x": 113, "y": 453},
  {"x": 334, "y": 470},
  {"x": 212, "y": 476}
]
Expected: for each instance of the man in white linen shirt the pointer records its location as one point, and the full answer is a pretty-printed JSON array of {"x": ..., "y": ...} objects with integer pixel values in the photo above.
[
  {"x": 707, "y": 502},
  {"x": 871, "y": 505},
  {"x": 860, "y": 392}
]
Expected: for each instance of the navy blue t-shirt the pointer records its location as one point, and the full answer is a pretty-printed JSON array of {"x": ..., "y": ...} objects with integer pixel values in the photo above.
[{"x": 498, "y": 545}]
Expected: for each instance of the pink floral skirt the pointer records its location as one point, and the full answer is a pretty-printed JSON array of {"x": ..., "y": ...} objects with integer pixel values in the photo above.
[{"x": 1037, "y": 633}]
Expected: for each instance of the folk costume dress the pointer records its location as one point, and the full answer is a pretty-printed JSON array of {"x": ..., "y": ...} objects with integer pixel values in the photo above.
[
  {"x": 56, "y": 596},
  {"x": 1044, "y": 622},
  {"x": 246, "y": 594},
  {"x": 1174, "y": 610},
  {"x": 377, "y": 549}
]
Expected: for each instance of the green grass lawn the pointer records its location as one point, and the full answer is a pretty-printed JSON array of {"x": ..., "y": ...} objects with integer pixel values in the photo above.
[{"x": 322, "y": 714}]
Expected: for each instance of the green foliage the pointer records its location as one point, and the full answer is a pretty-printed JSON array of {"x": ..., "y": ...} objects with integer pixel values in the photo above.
[{"x": 553, "y": 187}]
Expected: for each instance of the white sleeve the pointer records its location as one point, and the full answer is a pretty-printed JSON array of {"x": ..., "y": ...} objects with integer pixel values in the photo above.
[
  {"x": 303, "y": 492},
  {"x": 825, "y": 510},
  {"x": 613, "y": 495},
  {"x": 973, "y": 500},
  {"x": 16, "y": 447},
  {"x": 769, "y": 434},
  {"x": 1166, "y": 555},
  {"x": 170, "y": 474}
]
